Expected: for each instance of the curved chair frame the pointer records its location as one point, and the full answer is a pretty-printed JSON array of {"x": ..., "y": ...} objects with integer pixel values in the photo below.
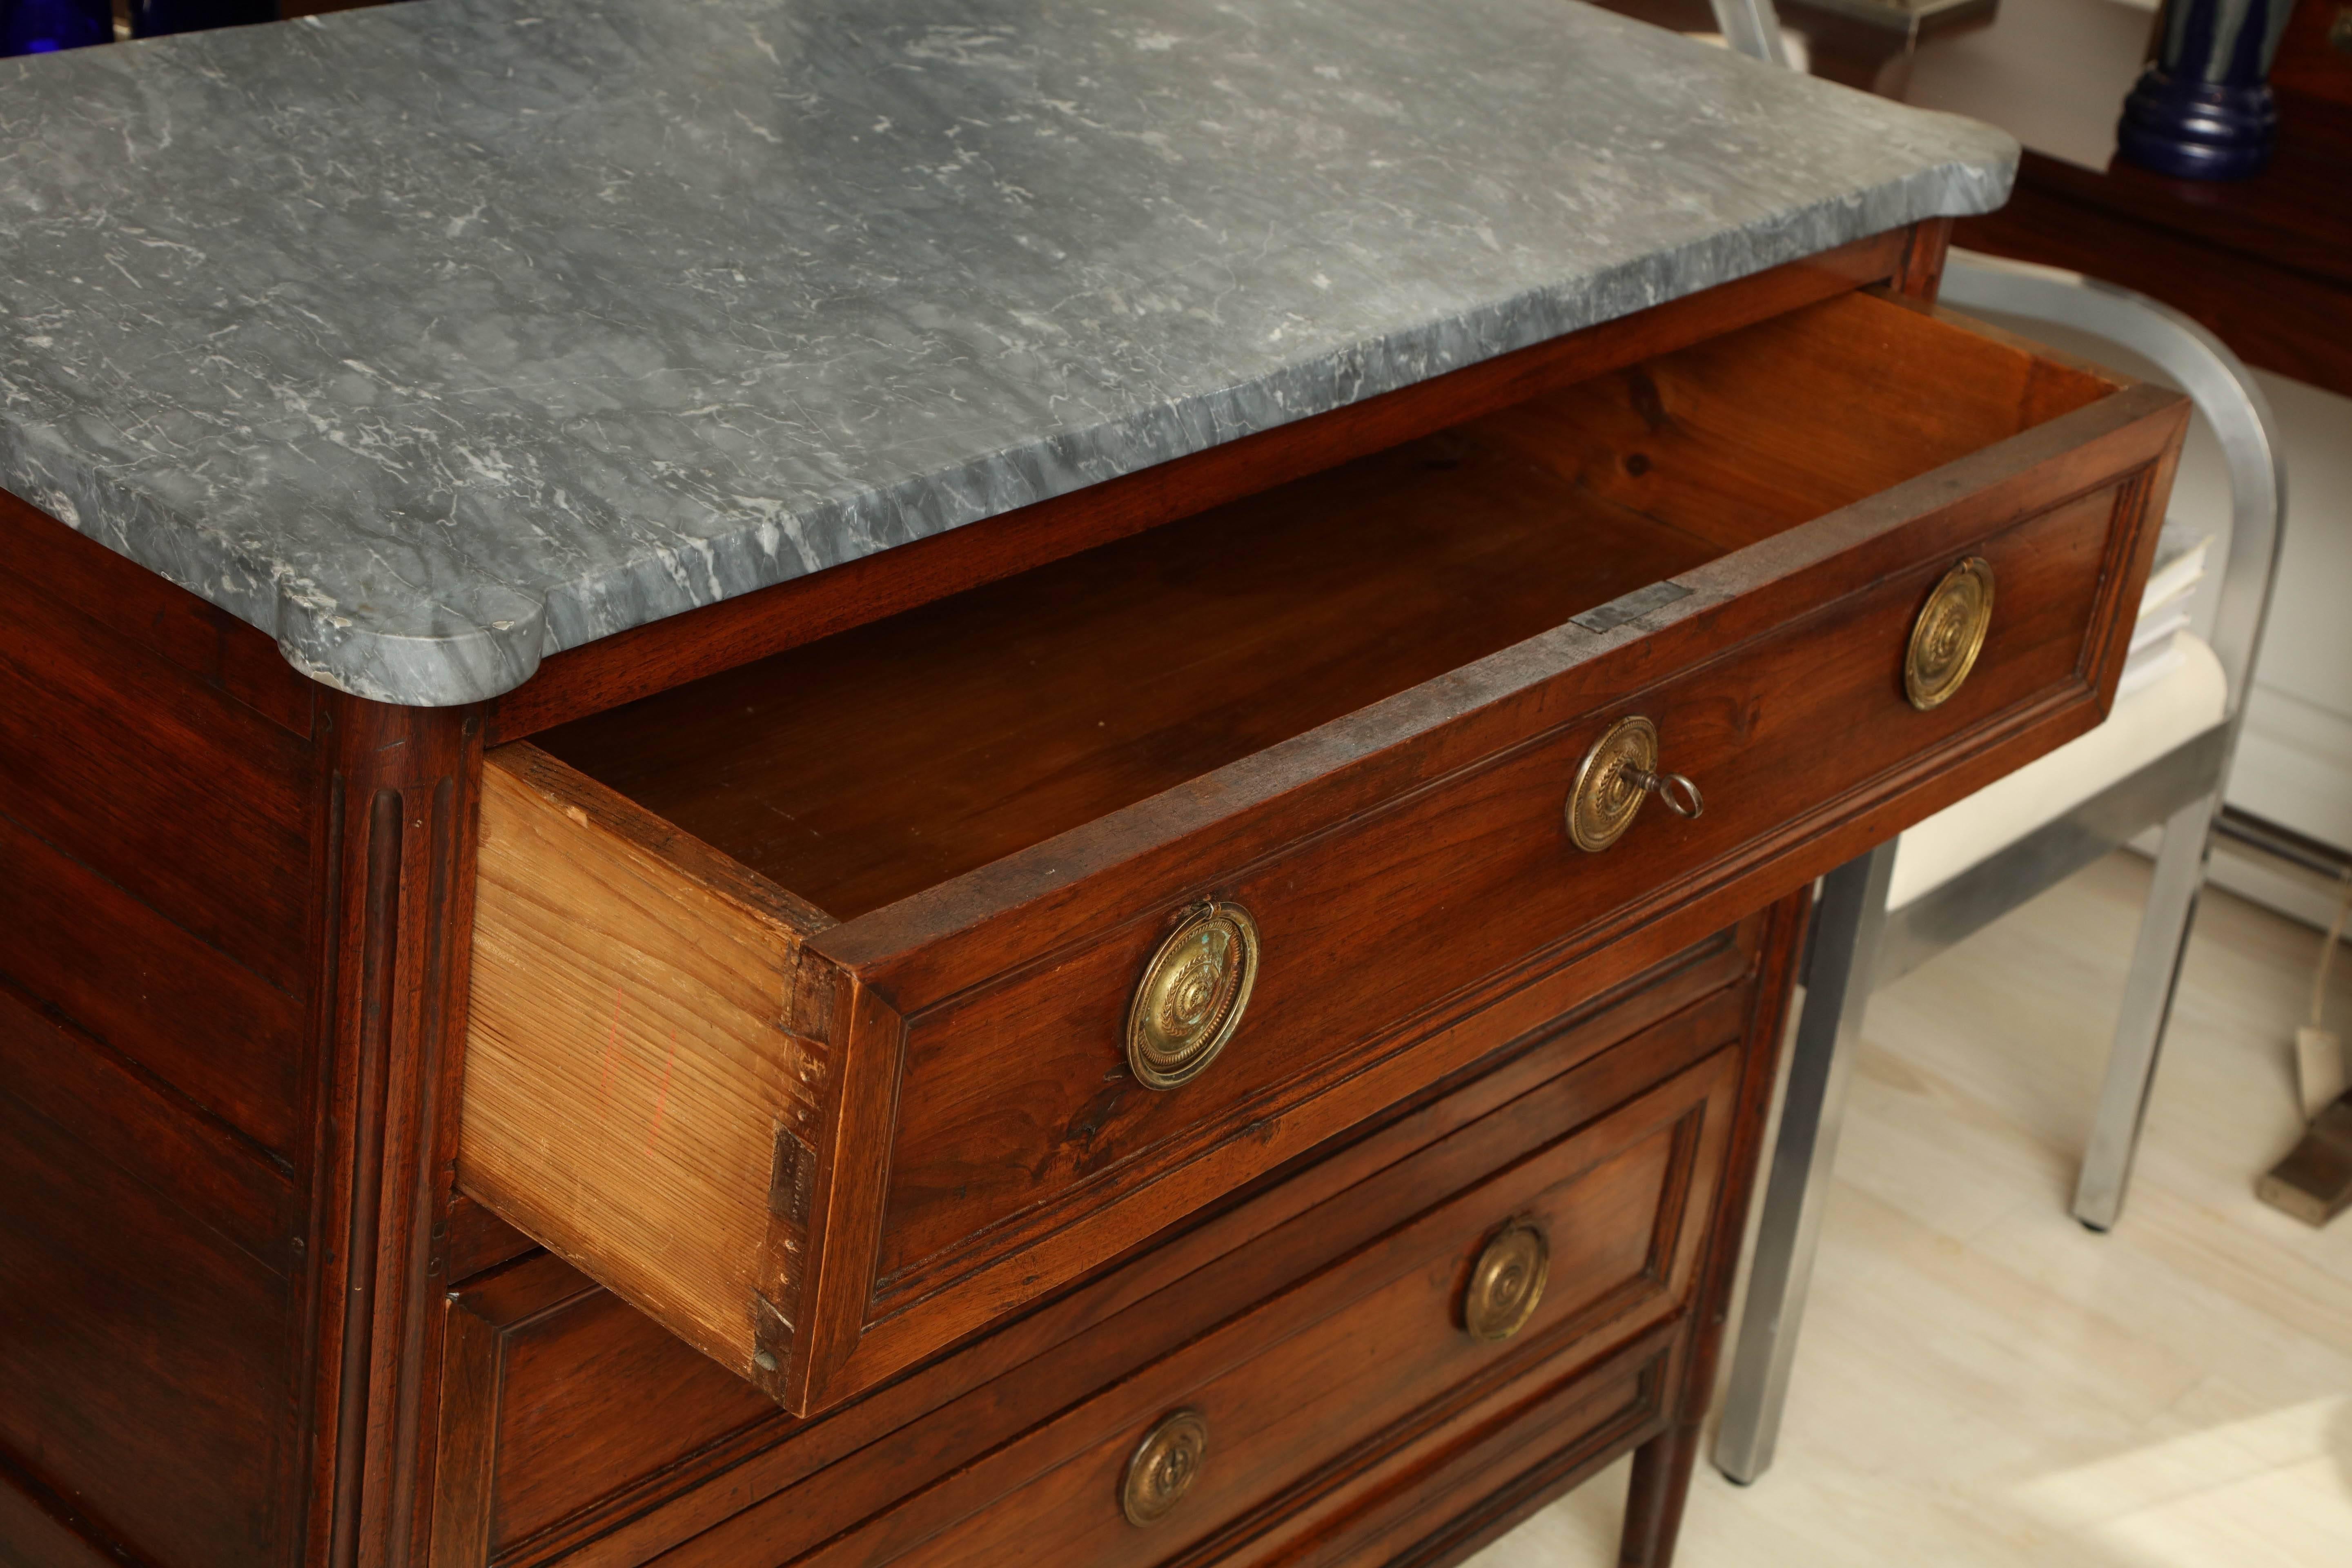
[{"x": 1858, "y": 944}]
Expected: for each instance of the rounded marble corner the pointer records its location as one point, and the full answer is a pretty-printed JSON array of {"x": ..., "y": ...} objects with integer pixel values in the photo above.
[
  {"x": 1978, "y": 179},
  {"x": 450, "y": 659}
]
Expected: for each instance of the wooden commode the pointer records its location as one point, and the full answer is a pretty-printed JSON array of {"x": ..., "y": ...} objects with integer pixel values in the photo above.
[{"x": 1206, "y": 1000}]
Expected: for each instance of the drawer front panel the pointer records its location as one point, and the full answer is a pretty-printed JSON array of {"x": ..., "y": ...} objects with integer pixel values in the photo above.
[
  {"x": 1017, "y": 1121},
  {"x": 1308, "y": 1398}
]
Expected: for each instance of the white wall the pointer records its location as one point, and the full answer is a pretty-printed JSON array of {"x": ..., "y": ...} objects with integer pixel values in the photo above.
[
  {"x": 2295, "y": 761},
  {"x": 2052, "y": 73}
]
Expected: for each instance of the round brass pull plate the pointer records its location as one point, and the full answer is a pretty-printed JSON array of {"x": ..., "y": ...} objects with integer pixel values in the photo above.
[
  {"x": 1506, "y": 1283},
  {"x": 1948, "y": 634},
  {"x": 1163, "y": 1467},
  {"x": 1190, "y": 998},
  {"x": 1617, "y": 774}
]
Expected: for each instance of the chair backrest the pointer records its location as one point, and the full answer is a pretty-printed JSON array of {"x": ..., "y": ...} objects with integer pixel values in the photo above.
[
  {"x": 2214, "y": 378},
  {"x": 1752, "y": 27},
  {"x": 2221, "y": 386}
]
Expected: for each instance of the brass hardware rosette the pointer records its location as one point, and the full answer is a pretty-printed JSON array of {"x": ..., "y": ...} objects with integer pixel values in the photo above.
[
  {"x": 1163, "y": 1467},
  {"x": 1190, "y": 997},
  {"x": 1616, "y": 776},
  {"x": 1948, "y": 634},
  {"x": 1506, "y": 1282}
]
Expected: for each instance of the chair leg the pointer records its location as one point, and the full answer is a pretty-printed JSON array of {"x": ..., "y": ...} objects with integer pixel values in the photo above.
[
  {"x": 1851, "y": 919},
  {"x": 2147, "y": 1007}
]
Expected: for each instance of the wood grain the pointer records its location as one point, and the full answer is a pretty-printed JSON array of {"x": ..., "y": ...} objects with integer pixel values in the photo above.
[
  {"x": 224, "y": 653},
  {"x": 213, "y": 1031},
  {"x": 144, "y": 1372},
  {"x": 866, "y": 768},
  {"x": 186, "y": 800},
  {"x": 1740, "y": 438},
  {"x": 637, "y": 1092},
  {"x": 40, "y": 1531},
  {"x": 158, "y": 792}
]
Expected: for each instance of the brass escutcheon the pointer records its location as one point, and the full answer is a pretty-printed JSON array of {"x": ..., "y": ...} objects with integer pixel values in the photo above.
[
  {"x": 1948, "y": 634},
  {"x": 1190, "y": 997},
  {"x": 1617, "y": 774},
  {"x": 1506, "y": 1283},
  {"x": 1164, "y": 1466}
]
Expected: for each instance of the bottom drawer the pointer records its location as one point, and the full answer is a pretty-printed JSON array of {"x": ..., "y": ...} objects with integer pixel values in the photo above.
[{"x": 1259, "y": 1440}]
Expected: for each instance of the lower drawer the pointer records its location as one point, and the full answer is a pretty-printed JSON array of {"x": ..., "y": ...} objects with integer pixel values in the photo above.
[
  {"x": 577, "y": 1431},
  {"x": 1280, "y": 1422}
]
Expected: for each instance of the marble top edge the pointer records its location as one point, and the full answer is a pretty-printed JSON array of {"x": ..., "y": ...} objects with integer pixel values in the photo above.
[{"x": 422, "y": 457}]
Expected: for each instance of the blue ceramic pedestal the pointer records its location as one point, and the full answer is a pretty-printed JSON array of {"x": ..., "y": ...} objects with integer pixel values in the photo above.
[
  {"x": 44, "y": 26},
  {"x": 2203, "y": 110}
]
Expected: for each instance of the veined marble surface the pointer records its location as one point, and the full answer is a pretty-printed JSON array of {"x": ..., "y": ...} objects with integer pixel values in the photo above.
[{"x": 435, "y": 337}]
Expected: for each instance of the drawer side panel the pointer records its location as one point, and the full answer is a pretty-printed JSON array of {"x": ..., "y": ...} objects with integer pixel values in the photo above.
[{"x": 644, "y": 1080}]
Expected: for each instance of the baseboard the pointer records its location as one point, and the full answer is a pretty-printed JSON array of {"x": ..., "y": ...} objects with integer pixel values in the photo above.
[
  {"x": 2303, "y": 895},
  {"x": 2293, "y": 766}
]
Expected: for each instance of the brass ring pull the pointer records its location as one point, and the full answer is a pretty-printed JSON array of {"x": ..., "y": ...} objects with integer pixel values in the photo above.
[
  {"x": 1616, "y": 776},
  {"x": 1506, "y": 1282},
  {"x": 1190, "y": 997},
  {"x": 1948, "y": 634},
  {"x": 1163, "y": 1467}
]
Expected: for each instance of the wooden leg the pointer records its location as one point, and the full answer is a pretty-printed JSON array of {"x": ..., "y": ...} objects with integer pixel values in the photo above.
[
  {"x": 1662, "y": 1467},
  {"x": 1654, "y": 1504}
]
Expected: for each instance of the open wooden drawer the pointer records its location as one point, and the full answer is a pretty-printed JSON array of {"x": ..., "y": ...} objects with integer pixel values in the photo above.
[{"x": 818, "y": 1006}]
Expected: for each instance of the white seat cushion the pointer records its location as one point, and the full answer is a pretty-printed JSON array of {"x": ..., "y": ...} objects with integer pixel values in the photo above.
[{"x": 2187, "y": 699}]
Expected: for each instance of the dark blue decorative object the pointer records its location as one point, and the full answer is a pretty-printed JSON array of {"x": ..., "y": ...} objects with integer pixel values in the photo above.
[
  {"x": 2203, "y": 110},
  {"x": 44, "y": 26},
  {"x": 153, "y": 18}
]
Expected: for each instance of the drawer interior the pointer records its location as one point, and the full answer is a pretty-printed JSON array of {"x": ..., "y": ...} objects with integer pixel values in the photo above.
[{"x": 861, "y": 769}]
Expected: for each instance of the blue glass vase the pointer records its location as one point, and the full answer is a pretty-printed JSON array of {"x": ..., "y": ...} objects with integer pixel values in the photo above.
[
  {"x": 44, "y": 26},
  {"x": 154, "y": 19},
  {"x": 2203, "y": 109}
]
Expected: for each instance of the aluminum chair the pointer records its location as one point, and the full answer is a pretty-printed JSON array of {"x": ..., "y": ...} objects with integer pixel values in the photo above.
[{"x": 2163, "y": 762}]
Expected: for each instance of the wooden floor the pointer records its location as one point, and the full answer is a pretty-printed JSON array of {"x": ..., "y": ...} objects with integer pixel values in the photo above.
[{"x": 1983, "y": 1382}]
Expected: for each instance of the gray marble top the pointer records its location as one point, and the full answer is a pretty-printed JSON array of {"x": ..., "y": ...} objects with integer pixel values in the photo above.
[{"x": 435, "y": 337}]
